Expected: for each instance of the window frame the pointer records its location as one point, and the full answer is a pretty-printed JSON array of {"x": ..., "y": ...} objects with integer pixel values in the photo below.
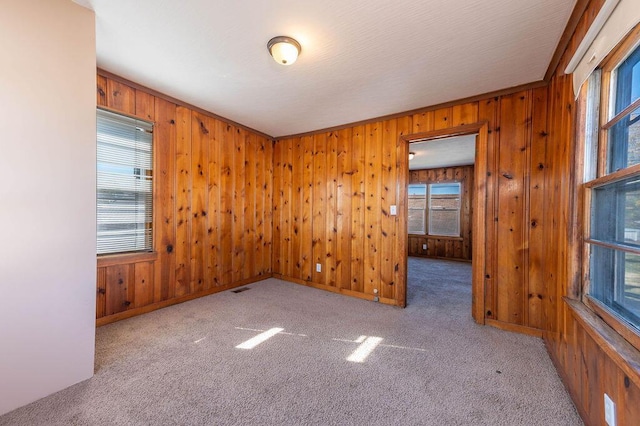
[
  {"x": 430, "y": 209},
  {"x": 107, "y": 259},
  {"x": 424, "y": 208},
  {"x": 427, "y": 210},
  {"x": 606, "y": 119}
]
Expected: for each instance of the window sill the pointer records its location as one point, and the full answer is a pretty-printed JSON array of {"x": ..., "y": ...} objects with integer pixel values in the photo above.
[
  {"x": 125, "y": 258},
  {"x": 437, "y": 237},
  {"x": 621, "y": 352}
]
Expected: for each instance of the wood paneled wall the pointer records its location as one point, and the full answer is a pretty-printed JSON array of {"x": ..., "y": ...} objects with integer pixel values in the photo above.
[
  {"x": 332, "y": 198},
  {"x": 447, "y": 247},
  {"x": 586, "y": 351},
  {"x": 342, "y": 183},
  {"x": 212, "y": 208}
]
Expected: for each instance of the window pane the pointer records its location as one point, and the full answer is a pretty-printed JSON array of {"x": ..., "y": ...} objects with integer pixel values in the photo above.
[
  {"x": 416, "y": 221},
  {"x": 624, "y": 142},
  {"x": 124, "y": 184},
  {"x": 444, "y": 209},
  {"x": 417, "y": 208},
  {"x": 615, "y": 215},
  {"x": 615, "y": 281},
  {"x": 627, "y": 82},
  {"x": 444, "y": 222}
]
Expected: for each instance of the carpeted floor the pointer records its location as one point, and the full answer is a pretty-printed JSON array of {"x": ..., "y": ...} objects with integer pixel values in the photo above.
[{"x": 429, "y": 363}]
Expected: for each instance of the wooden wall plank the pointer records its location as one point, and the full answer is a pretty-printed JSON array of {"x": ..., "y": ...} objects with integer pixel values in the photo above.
[
  {"x": 238, "y": 191},
  {"x": 200, "y": 129},
  {"x": 227, "y": 133},
  {"x": 119, "y": 289},
  {"x": 121, "y": 97},
  {"x": 145, "y": 105},
  {"x": 101, "y": 301},
  {"x": 343, "y": 210},
  {"x": 278, "y": 201},
  {"x": 357, "y": 209},
  {"x": 373, "y": 207},
  {"x": 250, "y": 240},
  {"x": 183, "y": 202},
  {"x": 387, "y": 195},
  {"x": 143, "y": 284},
  {"x": 464, "y": 114},
  {"x": 488, "y": 111},
  {"x": 287, "y": 179},
  {"x": 511, "y": 207},
  {"x": 331, "y": 225},
  {"x": 268, "y": 201},
  {"x": 319, "y": 208},
  {"x": 423, "y": 122},
  {"x": 442, "y": 118},
  {"x": 101, "y": 91},
  {"x": 214, "y": 208},
  {"x": 306, "y": 226},
  {"x": 537, "y": 293},
  {"x": 165, "y": 142},
  {"x": 297, "y": 200}
]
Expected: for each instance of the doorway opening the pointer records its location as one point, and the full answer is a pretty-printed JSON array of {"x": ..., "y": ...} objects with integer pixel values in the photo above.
[{"x": 444, "y": 202}]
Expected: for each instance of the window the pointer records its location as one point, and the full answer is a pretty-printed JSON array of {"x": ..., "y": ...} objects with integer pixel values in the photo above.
[
  {"x": 444, "y": 209},
  {"x": 124, "y": 183},
  {"x": 613, "y": 193},
  {"x": 437, "y": 204},
  {"x": 417, "y": 208}
]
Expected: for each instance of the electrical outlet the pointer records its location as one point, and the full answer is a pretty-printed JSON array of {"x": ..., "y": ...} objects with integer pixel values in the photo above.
[
  {"x": 318, "y": 267},
  {"x": 424, "y": 247},
  {"x": 609, "y": 411}
]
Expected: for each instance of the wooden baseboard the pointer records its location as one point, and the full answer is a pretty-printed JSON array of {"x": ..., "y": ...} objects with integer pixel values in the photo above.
[
  {"x": 515, "y": 328},
  {"x": 165, "y": 303},
  {"x": 343, "y": 291}
]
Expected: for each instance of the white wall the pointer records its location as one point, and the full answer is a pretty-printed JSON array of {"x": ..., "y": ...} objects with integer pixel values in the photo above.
[{"x": 47, "y": 198}]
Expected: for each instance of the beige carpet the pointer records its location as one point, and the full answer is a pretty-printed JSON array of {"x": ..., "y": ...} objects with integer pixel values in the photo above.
[{"x": 429, "y": 364}]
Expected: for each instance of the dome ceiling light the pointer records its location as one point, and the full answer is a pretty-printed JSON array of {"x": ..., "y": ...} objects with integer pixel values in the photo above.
[{"x": 284, "y": 50}]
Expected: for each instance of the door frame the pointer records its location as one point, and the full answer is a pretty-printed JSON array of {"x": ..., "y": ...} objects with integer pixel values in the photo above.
[{"x": 478, "y": 219}]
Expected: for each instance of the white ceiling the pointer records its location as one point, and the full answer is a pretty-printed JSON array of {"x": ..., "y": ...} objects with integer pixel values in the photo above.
[
  {"x": 447, "y": 152},
  {"x": 360, "y": 58}
]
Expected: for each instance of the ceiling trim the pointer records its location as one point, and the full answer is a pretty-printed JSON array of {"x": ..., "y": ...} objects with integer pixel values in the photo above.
[
  {"x": 476, "y": 98},
  {"x": 168, "y": 98},
  {"x": 567, "y": 34}
]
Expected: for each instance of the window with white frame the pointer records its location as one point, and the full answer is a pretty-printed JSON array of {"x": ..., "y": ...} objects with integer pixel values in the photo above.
[
  {"x": 434, "y": 209},
  {"x": 124, "y": 183},
  {"x": 612, "y": 190}
]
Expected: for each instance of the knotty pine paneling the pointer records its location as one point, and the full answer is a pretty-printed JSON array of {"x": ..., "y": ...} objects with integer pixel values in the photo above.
[
  {"x": 585, "y": 360},
  {"x": 212, "y": 207},
  {"x": 342, "y": 183},
  {"x": 456, "y": 248}
]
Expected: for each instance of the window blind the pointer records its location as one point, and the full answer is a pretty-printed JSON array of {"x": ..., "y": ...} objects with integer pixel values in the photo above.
[{"x": 124, "y": 183}]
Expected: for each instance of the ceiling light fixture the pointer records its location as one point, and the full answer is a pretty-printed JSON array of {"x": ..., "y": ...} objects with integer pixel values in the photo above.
[
  {"x": 411, "y": 155},
  {"x": 284, "y": 50}
]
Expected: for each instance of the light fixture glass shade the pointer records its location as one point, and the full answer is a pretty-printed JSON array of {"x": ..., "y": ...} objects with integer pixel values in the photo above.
[
  {"x": 411, "y": 155},
  {"x": 284, "y": 50}
]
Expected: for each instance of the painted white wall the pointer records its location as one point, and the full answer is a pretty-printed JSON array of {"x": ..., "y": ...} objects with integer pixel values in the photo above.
[{"x": 47, "y": 198}]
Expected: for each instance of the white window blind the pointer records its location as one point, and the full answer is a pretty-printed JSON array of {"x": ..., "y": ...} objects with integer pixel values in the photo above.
[
  {"x": 417, "y": 208},
  {"x": 124, "y": 183},
  {"x": 444, "y": 209}
]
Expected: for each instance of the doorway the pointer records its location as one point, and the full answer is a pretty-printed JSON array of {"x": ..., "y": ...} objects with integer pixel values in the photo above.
[{"x": 438, "y": 230}]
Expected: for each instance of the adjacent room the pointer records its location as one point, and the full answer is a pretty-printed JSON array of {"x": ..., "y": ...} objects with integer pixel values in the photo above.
[{"x": 409, "y": 212}]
